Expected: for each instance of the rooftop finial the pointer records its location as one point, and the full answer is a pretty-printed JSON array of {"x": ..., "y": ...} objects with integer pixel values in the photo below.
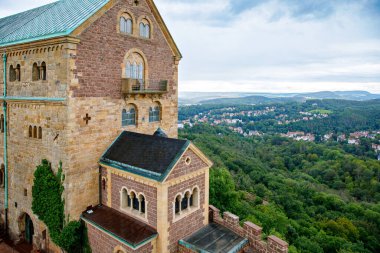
[{"x": 160, "y": 133}]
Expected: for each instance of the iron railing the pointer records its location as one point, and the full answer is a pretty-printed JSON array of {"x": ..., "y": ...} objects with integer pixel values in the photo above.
[{"x": 136, "y": 86}]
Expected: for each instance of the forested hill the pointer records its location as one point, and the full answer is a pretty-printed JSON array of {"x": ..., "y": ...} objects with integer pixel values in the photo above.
[
  {"x": 315, "y": 196},
  {"x": 344, "y": 116}
]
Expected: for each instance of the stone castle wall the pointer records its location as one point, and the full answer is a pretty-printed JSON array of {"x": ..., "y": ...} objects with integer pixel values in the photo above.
[
  {"x": 95, "y": 66},
  {"x": 250, "y": 231},
  {"x": 56, "y": 83},
  {"x": 87, "y": 73}
]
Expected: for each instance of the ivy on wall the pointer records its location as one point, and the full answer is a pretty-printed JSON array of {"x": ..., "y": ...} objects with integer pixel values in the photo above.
[{"x": 48, "y": 205}]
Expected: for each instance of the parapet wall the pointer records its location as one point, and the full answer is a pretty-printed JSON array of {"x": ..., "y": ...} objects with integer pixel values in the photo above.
[{"x": 250, "y": 231}]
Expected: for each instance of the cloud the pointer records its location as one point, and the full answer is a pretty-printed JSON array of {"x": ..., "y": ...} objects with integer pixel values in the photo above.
[
  {"x": 270, "y": 44},
  {"x": 257, "y": 45}
]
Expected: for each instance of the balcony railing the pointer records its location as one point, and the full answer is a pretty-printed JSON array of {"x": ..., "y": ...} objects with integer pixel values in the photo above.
[{"x": 134, "y": 86}]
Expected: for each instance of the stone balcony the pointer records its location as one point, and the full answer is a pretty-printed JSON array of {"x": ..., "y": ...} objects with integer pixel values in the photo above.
[{"x": 133, "y": 87}]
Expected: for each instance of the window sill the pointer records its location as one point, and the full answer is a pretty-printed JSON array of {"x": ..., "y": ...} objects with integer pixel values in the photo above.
[
  {"x": 136, "y": 214},
  {"x": 130, "y": 127},
  {"x": 185, "y": 213}
]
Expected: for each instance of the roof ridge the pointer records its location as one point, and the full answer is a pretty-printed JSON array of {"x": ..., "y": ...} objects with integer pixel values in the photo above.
[{"x": 29, "y": 20}]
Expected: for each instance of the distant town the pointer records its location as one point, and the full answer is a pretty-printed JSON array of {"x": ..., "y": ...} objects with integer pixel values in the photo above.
[{"x": 277, "y": 119}]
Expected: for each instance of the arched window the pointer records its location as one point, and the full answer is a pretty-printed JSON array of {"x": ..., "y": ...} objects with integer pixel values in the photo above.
[
  {"x": 135, "y": 67},
  {"x": 34, "y": 132},
  {"x": 2, "y": 123},
  {"x": 185, "y": 202},
  {"x": 12, "y": 74},
  {"x": 129, "y": 26},
  {"x": 128, "y": 117},
  {"x": 43, "y": 71},
  {"x": 30, "y": 132},
  {"x": 145, "y": 29},
  {"x": 154, "y": 113},
  {"x": 124, "y": 198},
  {"x": 194, "y": 198},
  {"x": 126, "y": 24},
  {"x": 142, "y": 203},
  {"x": 18, "y": 73},
  {"x": 135, "y": 203},
  {"x": 177, "y": 204},
  {"x": 39, "y": 132},
  {"x": 35, "y": 72}
]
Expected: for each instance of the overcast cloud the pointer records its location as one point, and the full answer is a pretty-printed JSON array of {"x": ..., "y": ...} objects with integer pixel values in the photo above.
[{"x": 270, "y": 45}]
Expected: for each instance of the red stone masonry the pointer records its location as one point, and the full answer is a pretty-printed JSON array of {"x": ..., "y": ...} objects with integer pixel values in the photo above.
[
  {"x": 250, "y": 231},
  {"x": 102, "y": 50},
  {"x": 150, "y": 196},
  {"x": 191, "y": 223},
  {"x": 101, "y": 242},
  {"x": 183, "y": 169}
]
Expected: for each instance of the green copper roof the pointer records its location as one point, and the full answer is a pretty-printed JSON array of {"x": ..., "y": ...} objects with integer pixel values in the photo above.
[{"x": 53, "y": 20}]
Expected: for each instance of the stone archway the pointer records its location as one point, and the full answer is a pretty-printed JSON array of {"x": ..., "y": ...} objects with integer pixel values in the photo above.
[{"x": 26, "y": 228}]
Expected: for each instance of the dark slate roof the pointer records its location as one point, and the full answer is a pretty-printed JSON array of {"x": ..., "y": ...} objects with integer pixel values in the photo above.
[
  {"x": 214, "y": 238},
  {"x": 120, "y": 225},
  {"x": 146, "y": 155},
  {"x": 49, "y": 21}
]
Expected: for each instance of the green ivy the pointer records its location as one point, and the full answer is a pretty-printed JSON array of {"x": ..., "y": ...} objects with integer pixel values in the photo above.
[{"x": 48, "y": 205}]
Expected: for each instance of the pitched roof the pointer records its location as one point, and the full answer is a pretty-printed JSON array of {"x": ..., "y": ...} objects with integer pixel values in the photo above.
[
  {"x": 52, "y": 20},
  {"x": 214, "y": 238},
  {"x": 146, "y": 155},
  {"x": 133, "y": 232},
  {"x": 61, "y": 18}
]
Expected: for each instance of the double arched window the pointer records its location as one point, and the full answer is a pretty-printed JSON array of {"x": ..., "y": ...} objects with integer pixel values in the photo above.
[
  {"x": 15, "y": 73},
  {"x": 155, "y": 113},
  {"x": 186, "y": 202},
  {"x": 39, "y": 72},
  {"x": 132, "y": 202},
  {"x": 126, "y": 24},
  {"x": 128, "y": 116},
  {"x": 145, "y": 29}
]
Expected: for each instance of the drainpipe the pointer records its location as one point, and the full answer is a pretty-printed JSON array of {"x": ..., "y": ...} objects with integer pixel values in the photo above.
[
  {"x": 100, "y": 185},
  {"x": 5, "y": 144}
]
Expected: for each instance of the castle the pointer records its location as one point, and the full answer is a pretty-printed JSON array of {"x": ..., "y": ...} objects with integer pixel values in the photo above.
[{"x": 94, "y": 84}]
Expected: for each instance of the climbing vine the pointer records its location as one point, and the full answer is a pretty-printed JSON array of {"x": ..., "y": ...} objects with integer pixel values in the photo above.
[{"x": 48, "y": 205}]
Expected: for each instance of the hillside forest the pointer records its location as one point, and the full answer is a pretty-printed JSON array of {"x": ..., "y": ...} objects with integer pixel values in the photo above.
[{"x": 317, "y": 196}]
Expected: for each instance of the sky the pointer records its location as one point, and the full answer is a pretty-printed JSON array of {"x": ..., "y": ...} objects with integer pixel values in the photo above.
[{"x": 269, "y": 45}]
